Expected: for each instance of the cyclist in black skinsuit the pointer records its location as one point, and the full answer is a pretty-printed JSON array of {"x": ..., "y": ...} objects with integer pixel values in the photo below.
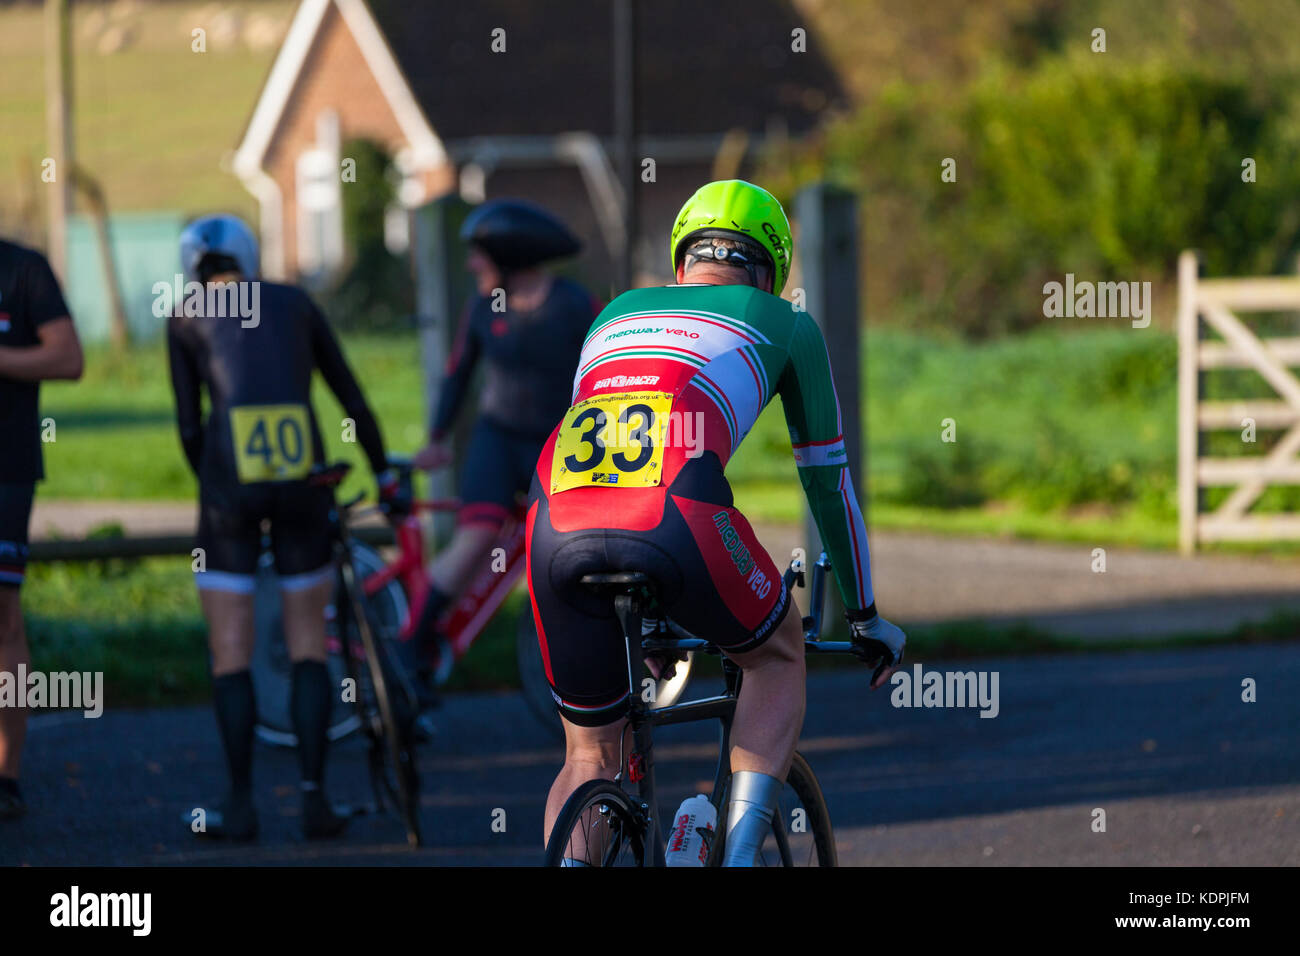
[
  {"x": 526, "y": 327},
  {"x": 37, "y": 342},
  {"x": 252, "y": 455}
]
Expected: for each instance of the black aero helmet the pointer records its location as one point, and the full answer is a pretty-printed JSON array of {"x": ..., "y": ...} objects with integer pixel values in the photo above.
[{"x": 516, "y": 234}]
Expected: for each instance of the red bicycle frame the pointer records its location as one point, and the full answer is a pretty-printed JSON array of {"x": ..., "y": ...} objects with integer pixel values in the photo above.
[{"x": 464, "y": 621}]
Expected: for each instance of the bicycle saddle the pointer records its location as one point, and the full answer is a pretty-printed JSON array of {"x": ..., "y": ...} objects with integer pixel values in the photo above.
[
  {"x": 328, "y": 476},
  {"x": 614, "y": 581}
]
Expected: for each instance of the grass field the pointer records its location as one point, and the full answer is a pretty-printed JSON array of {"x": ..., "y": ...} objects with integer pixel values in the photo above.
[
  {"x": 153, "y": 121},
  {"x": 1052, "y": 432}
]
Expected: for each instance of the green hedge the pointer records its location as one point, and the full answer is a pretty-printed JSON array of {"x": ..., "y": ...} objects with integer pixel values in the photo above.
[{"x": 1094, "y": 164}]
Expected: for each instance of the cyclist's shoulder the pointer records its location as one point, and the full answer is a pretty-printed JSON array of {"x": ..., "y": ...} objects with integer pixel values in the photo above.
[
  {"x": 18, "y": 260},
  {"x": 565, "y": 289},
  {"x": 285, "y": 296},
  {"x": 13, "y": 252}
]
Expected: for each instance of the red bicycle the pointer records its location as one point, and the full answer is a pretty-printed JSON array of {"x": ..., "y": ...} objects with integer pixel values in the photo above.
[{"x": 395, "y": 591}]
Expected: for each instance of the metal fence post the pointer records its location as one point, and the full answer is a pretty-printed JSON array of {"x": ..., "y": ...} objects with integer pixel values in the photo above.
[{"x": 441, "y": 285}]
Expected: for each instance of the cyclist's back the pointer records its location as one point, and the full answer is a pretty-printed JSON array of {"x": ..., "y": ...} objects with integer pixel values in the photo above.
[
  {"x": 255, "y": 449},
  {"x": 723, "y": 352},
  {"x": 263, "y": 364}
]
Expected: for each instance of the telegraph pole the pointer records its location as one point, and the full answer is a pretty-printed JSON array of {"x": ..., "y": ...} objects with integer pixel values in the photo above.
[
  {"x": 625, "y": 135},
  {"x": 58, "y": 129}
]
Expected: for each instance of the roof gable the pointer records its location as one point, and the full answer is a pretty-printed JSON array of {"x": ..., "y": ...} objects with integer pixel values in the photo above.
[{"x": 273, "y": 102}]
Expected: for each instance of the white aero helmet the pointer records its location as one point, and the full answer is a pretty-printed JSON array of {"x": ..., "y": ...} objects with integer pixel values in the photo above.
[{"x": 227, "y": 237}]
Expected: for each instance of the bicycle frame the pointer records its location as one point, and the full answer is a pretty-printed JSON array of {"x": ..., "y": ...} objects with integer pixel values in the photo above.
[
  {"x": 463, "y": 624},
  {"x": 639, "y": 766}
]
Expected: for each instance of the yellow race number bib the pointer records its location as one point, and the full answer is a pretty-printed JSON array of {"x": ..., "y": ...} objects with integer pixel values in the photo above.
[
  {"x": 272, "y": 442},
  {"x": 614, "y": 441}
]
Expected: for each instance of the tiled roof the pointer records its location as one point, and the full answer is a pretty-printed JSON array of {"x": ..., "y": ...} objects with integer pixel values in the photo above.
[{"x": 703, "y": 67}]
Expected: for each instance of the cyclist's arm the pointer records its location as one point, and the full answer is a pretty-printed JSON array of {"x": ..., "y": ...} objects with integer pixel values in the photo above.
[
  {"x": 456, "y": 376},
  {"x": 338, "y": 376},
  {"x": 812, "y": 412},
  {"x": 185, "y": 388},
  {"x": 57, "y": 351}
]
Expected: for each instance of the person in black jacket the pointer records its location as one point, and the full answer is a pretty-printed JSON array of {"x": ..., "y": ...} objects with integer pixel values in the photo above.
[
  {"x": 254, "y": 346},
  {"x": 526, "y": 327},
  {"x": 37, "y": 341}
]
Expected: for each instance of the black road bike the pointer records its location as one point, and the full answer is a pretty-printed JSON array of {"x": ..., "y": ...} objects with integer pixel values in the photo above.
[
  {"x": 376, "y": 684},
  {"x": 605, "y": 824}
]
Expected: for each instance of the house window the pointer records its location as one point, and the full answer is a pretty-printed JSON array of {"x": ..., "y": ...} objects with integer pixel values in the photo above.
[{"x": 320, "y": 216}]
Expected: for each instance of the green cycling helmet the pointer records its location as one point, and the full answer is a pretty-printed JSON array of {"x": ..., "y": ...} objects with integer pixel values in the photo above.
[{"x": 735, "y": 209}]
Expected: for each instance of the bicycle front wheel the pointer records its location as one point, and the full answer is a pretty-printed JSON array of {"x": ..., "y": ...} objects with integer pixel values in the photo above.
[
  {"x": 598, "y": 826},
  {"x": 387, "y": 705},
  {"x": 801, "y": 825}
]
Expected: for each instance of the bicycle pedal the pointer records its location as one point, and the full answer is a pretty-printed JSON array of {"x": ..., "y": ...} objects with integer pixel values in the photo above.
[{"x": 423, "y": 728}]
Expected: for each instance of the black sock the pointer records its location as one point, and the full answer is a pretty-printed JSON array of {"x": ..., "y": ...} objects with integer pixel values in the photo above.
[
  {"x": 310, "y": 704},
  {"x": 232, "y": 694},
  {"x": 426, "y": 630},
  {"x": 8, "y": 786}
]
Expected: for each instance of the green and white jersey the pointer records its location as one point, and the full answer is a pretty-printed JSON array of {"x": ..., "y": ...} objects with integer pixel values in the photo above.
[{"x": 722, "y": 352}]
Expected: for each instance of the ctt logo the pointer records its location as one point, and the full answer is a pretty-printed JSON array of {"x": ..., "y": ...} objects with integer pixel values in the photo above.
[{"x": 604, "y": 477}]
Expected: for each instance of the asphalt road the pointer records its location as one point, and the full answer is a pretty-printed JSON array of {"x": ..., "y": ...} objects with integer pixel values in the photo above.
[{"x": 1186, "y": 772}]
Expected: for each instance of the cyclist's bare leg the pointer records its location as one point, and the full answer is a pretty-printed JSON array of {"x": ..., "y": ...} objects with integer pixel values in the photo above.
[
  {"x": 463, "y": 558},
  {"x": 304, "y": 620},
  {"x": 769, "y": 716},
  {"x": 230, "y": 629},
  {"x": 13, "y": 653},
  {"x": 770, "y": 709},
  {"x": 590, "y": 753}
]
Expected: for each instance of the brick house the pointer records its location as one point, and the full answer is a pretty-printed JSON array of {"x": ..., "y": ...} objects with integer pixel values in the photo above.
[{"x": 433, "y": 84}]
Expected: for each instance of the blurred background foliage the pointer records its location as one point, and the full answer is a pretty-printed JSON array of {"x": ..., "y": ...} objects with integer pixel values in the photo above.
[
  {"x": 1067, "y": 160},
  {"x": 1101, "y": 164},
  {"x": 375, "y": 291}
]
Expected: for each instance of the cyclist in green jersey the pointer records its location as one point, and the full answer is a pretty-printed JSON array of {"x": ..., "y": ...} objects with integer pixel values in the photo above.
[{"x": 691, "y": 366}]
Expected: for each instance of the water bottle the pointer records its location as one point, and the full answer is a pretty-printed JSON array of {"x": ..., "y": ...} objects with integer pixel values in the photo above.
[{"x": 692, "y": 833}]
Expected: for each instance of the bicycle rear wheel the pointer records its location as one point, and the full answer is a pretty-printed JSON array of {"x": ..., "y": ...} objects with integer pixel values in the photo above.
[
  {"x": 271, "y": 665},
  {"x": 599, "y": 826}
]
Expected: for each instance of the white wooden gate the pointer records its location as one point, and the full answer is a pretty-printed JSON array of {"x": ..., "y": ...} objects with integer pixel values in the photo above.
[{"x": 1217, "y": 301}]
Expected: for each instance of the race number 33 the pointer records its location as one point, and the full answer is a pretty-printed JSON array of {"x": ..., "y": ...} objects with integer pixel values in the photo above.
[
  {"x": 272, "y": 442},
  {"x": 616, "y": 441}
]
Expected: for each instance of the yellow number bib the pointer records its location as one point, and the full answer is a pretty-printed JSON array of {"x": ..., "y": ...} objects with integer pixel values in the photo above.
[
  {"x": 272, "y": 442},
  {"x": 614, "y": 441}
]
